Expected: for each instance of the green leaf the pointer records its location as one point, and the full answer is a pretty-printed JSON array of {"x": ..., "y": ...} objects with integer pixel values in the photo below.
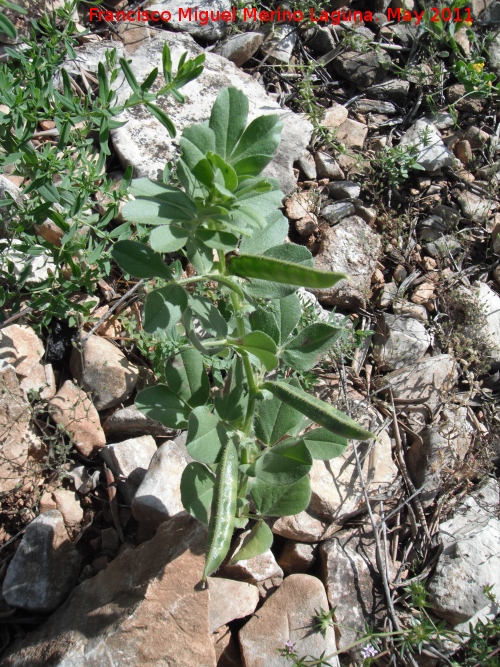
[
  {"x": 275, "y": 419},
  {"x": 162, "y": 404},
  {"x": 231, "y": 403},
  {"x": 258, "y": 541},
  {"x": 158, "y": 204},
  {"x": 282, "y": 500},
  {"x": 160, "y": 115},
  {"x": 164, "y": 308},
  {"x": 200, "y": 255},
  {"x": 186, "y": 377},
  {"x": 166, "y": 60},
  {"x": 206, "y": 436},
  {"x": 7, "y": 27},
  {"x": 196, "y": 141},
  {"x": 260, "y": 345},
  {"x": 279, "y": 271},
  {"x": 218, "y": 240},
  {"x": 307, "y": 348},
  {"x": 274, "y": 234},
  {"x": 129, "y": 75},
  {"x": 261, "y": 138},
  {"x": 285, "y": 463},
  {"x": 317, "y": 410},
  {"x": 323, "y": 444},
  {"x": 263, "y": 319},
  {"x": 225, "y": 174},
  {"x": 208, "y": 315},
  {"x": 140, "y": 261},
  {"x": 228, "y": 119},
  {"x": 288, "y": 311},
  {"x": 197, "y": 491},
  {"x": 168, "y": 238}
]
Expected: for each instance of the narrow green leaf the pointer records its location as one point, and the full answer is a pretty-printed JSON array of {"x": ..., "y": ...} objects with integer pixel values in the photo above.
[
  {"x": 281, "y": 500},
  {"x": 187, "y": 378},
  {"x": 164, "y": 308},
  {"x": 7, "y": 27},
  {"x": 257, "y": 542},
  {"x": 166, "y": 63},
  {"x": 319, "y": 411},
  {"x": 285, "y": 463},
  {"x": 263, "y": 319},
  {"x": 231, "y": 403},
  {"x": 206, "y": 436},
  {"x": 228, "y": 119},
  {"x": 129, "y": 75},
  {"x": 140, "y": 261},
  {"x": 288, "y": 311},
  {"x": 197, "y": 490},
  {"x": 160, "y": 115}
]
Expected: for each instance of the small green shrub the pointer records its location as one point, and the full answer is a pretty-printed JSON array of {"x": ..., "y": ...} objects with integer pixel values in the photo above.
[{"x": 250, "y": 461}]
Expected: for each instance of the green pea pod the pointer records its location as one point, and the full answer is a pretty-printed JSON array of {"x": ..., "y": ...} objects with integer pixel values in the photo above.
[
  {"x": 317, "y": 410},
  {"x": 280, "y": 271},
  {"x": 221, "y": 525}
]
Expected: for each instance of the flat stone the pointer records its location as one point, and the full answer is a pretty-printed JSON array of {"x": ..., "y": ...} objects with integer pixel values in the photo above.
[
  {"x": 38, "y": 266},
  {"x": 335, "y": 116},
  {"x": 41, "y": 381},
  {"x": 279, "y": 45},
  {"x": 144, "y": 143},
  {"x": 131, "y": 421},
  {"x": 68, "y": 503},
  {"x": 297, "y": 557},
  {"x": 334, "y": 213},
  {"x": 362, "y": 69},
  {"x": 343, "y": 190},
  {"x": 391, "y": 89},
  {"x": 429, "y": 379},
  {"x": 158, "y": 498},
  {"x": 299, "y": 205},
  {"x": 444, "y": 247},
  {"x": 403, "y": 307},
  {"x": 287, "y": 616},
  {"x": 470, "y": 559},
  {"x": 387, "y": 295},
  {"x": 350, "y": 247},
  {"x": 15, "y": 413},
  {"x": 320, "y": 39},
  {"x": 307, "y": 225},
  {"x": 307, "y": 166},
  {"x": 328, "y": 167},
  {"x": 432, "y": 153},
  {"x": 45, "y": 566},
  {"x": 424, "y": 294},
  {"x": 146, "y": 608},
  {"x": 304, "y": 527},
  {"x": 240, "y": 48},
  {"x": 375, "y": 106},
  {"x": 476, "y": 208},
  {"x": 129, "y": 461},
  {"x": 489, "y": 301},
  {"x": 399, "y": 341},
  {"x": 262, "y": 571},
  {"x": 352, "y": 583},
  {"x": 229, "y": 600},
  {"x": 104, "y": 371},
  {"x": 72, "y": 409},
  {"x": 20, "y": 347},
  {"x": 352, "y": 133},
  {"x": 210, "y": 32}
]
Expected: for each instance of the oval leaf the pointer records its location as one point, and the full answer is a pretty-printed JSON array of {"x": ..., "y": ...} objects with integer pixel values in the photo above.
[
  {"x": 206, "y": 435},
  {"x": 284, "y": 500},
  {"x": 140, "y": 261},
  {"x": 258, "y": 541},
  {"x": 197, "y": 490},
  {"x": 160, "y": 403},
  {"x": 285, "y": 463},
  {"x": 164, "y": 308}
]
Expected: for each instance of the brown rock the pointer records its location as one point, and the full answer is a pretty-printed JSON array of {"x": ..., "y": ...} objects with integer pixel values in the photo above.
[
  {"x": 50, "y": 232},
  {"x": 297, "y": 557},
  {"x": 40, "y": 380},
  {"x": 424, "y": 294},
  {"x": 288, "y": 615},
  {"x": 72, "y": 409},
  {"x": 463, "y": 151},
  {"x": 335, "y": 116},
  {"x": 103, "y": 370},
  {"x": 352, "y": 133},
  {"x": 229, "y": 600},
  {"x": 262, "y": 570},
  {"x": 21, "y": 347},
  {"x": 68, "y": 503},
  {"x": 226, "y": 648},
  {"x": 14, "y": 423},
  {"x": 298, "y": 206},
  {"x": 307, "y": 225},
  {"x": 146, "y": 609},
  {"x": 304, "y": 527}
]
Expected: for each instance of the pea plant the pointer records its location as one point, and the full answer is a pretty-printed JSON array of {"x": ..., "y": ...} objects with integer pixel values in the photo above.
[{"x": 247, "y": 435}]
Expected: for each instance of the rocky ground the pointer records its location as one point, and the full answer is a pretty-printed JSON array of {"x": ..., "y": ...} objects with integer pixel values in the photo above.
[{"x": 389, "y": 162}]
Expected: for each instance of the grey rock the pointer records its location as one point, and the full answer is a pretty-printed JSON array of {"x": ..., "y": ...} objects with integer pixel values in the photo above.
[
  {"x": 343, "y": 190},
  {"x": 229, "y": 600},
  {"x": 307, "y": 166},
  {"x": 404, "y": 32},
  {"x": 146, "y": 608},
  {"x": 442, "y": 120},
  {"x": 494, "y": 53},
  {"x": 319, "y": 39},
  {"x": 350, "y": 247},
  {"x": 375, "y": 106},
  {"x": 39, "y": 266},
  {"x": 263, "y": 571},
  {"x": 399, "y": 341},
  {"x": 279, "y": 45},
  {"x": 470, "y": 559},
  {"x": 328, "y": 167},
  {"x": 444, "y": 247},
  {"x": 144, "y": 143},
  {"x": 392, "y": 89},
  {"x": 432, "y": 153},
  {"x": 349, "y": 572},
  {"x": 45, "y": 567},
  {"x": 8, "y": 191},
  {"x": 129, "y": 461},
  {"x": 362, "y": 69},
  {"x": 489, "y": 302},
  {"x": 476, "y": 208},
  {"x": 211, "y": 32},
  {"x": 240, "y": 48},
  {"x": 403, "y": 307},
  {"x": 429, "y": 379},
  {"x": 439, "y": 448},
  {"x": 131, "y": 421},
  {"x": 15, "y": 414},
  {"x": 304, "y": 527},
  {"x": 159, "y": 496},
  {"x": 334, "y": 213},
  {"x": 387, "y": 295},
  {"x": 287, "y": 616},
  {"x": 297, "y": 557},
  {"x": 104, "y": 371}
]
